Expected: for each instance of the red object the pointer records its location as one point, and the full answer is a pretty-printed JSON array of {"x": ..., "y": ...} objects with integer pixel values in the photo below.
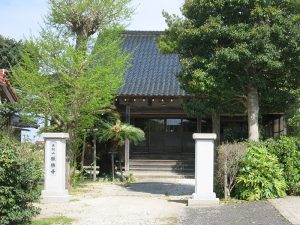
[
  {"x": 4, "y": 82},
  {"x": 2, "y": 77}
]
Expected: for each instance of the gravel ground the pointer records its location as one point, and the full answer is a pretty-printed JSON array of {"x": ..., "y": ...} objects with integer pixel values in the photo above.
[
  {"x": 158, "y": 202},
  {"x": 155, "y": 202},
  {"x": 258, "y": 213}
]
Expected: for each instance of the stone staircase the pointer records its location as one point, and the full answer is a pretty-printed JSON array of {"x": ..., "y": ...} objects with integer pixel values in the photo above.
[{"x": 151, "y": 165}]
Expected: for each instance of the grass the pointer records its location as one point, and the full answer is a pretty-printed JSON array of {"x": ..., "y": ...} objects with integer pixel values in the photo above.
[
  {"x": 168, "y": 221},
  {"x": 229, "y": 201},
  {"x": 74, "y": 200},
  {"x": 79, "y": 190},
  {"x": 81, "y": 187},
  {"x": 55, "y": 220}
]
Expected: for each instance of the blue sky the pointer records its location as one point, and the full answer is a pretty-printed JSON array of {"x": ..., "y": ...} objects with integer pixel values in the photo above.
[{"x": 22, "y": 18}]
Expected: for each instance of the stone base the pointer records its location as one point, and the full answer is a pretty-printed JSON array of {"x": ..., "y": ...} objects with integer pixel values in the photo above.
[
  {"x": 55, "y": 197},
  {"x": 198, "y": 202},
  {"x": 201, "y": 200}
]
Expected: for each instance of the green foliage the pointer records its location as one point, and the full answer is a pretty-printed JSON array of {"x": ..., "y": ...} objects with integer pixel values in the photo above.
[
  {"x": 84, "y": 18},
  {"x": 10, "y": 50},
  {"x": 63, "y": 83},
  {"x": 261, "y": 176},
  {"x": 20, "y": 174},
  {"x": 62, "y": 220},
  {"x": 230, "y": 49},
  {"x": 119, "y": 131},
  {"x": 69, "y": 77},
  {"x": 294, "y": 124},
  {"x": 5, "y": 111},
  {"x": 67, "y": 86},
  {"x": 233, "y": 135},
  {"x": 130, "y": 178},
  {"x": 287, "y": 150}
]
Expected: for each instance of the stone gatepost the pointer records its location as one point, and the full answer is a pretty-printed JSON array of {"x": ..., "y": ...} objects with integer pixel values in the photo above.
[
  {"x": 55, "y": 168},
  {"x": 204, "y": 171}
]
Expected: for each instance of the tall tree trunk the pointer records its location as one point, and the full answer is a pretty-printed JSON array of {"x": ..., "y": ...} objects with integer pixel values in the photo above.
[
  {"x": 94, "y": 156},
  {"x": 46, "y": 122},
  {"x": 216, "y": 126},
  {"x": 253, "y": 111},
  {"x": 83, "y": 154},
  {"x": 81, "y": 41}
]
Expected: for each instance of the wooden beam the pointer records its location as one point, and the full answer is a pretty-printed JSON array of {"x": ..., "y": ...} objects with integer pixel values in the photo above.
[
  {"x": 94, "y": 157},
  {"x": 199, "y": 127}
]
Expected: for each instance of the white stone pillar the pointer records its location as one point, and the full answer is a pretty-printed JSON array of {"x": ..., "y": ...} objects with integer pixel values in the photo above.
[
  {"x": 204, "y": 171},
  {"x": 127, "y": 144},
  {"x": 55, "y": 168}
]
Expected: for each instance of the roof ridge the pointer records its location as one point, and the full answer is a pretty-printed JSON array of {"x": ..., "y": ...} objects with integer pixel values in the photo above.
[{"x": 143, "y": 32}]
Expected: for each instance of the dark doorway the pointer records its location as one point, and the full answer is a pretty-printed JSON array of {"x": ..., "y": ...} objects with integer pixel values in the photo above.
[{"x": 166, "y": 135}]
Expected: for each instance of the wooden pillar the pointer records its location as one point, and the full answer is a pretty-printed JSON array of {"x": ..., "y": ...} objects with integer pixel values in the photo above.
[
  {"x": 127, "y": 144},
  {"x": 94, "y": 156},
  {"x": 199, "y": 128}
]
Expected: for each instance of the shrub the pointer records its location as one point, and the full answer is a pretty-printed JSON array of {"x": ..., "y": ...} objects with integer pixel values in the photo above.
[
  {"x": 229, "y": 160},
  {"x": 261, "y": 176},
  {"x": 287, "y": 150},
  {"x": 232, "y": 135},
  {"x": 20, "y": 174}
]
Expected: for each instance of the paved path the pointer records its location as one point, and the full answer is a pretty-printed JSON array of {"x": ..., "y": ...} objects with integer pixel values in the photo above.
[
  {"x": 254, "y": 213},
  {"x": 289, "y": 207}
]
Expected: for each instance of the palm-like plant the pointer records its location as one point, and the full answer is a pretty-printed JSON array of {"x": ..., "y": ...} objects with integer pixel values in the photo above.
[{"x": 119, "y": 132}]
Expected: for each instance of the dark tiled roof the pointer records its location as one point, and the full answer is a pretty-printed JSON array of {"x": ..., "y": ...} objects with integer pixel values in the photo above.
[{"x": 151, "y": 73}]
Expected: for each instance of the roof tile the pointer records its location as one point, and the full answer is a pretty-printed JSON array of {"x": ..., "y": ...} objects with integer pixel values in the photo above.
[{"x": 152, "y": 73}]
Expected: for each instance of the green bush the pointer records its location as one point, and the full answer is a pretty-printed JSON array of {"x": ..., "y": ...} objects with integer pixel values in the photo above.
[
  {"x": 261, "y": 176},
  {"x": 229, "y": 160},
  {"x": 287, "y": 150},
  {"x": 20, "y": 174},
  {"x": 231, "y": 135}
]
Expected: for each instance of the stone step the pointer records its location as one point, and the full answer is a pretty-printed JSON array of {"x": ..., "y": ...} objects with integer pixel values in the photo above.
[
  {"x": 160, "y": 174},
  {"x": 161, "y": 162},
  {"x": 162, "y": 168},
  {"x": 162, "y": 165},
  {"x": 163, "y": 156}
]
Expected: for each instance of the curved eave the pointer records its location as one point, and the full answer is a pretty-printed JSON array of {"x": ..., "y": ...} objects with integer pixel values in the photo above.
[{"x": 5, "y": 85}]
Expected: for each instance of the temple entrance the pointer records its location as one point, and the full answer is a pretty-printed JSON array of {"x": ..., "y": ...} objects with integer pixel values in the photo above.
[{"x": 166, "y": 135}]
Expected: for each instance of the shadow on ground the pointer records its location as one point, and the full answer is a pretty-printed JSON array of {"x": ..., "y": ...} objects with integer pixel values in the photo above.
[{"x": 162, "y": 188}]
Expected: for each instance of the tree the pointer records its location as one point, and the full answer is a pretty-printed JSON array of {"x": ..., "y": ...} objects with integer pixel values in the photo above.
[
  {"x": 67, "y": 75},
  {"x": 9, "y": 52},
  {"x": 84, "y": 18},
  {"x": 237, "y": 50}
]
